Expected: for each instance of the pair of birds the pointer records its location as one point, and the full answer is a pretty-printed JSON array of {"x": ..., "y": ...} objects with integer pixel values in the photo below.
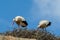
[{"x": 20, "y": 21}]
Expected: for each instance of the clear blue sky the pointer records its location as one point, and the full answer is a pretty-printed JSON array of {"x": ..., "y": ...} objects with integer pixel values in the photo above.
[{"x": 33, "y": 11}]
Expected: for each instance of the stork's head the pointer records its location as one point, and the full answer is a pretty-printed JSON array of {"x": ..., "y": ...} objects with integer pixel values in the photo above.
[{"x": 49, "y": 24}]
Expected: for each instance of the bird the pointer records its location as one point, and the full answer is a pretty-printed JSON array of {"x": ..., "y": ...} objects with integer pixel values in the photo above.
[
  {"x": 20, "y": 21},
  {"x": 43, "y": 24}
]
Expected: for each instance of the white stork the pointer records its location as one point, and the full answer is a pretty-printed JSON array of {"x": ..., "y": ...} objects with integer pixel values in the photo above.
[
  {"x": 43, "y": 24},
  {"x": 20, "y": 21}
]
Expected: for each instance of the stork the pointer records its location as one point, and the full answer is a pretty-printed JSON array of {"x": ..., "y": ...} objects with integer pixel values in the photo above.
[
  {"x": 20, "y": 21},
  {"x": 43, "y": 24}
]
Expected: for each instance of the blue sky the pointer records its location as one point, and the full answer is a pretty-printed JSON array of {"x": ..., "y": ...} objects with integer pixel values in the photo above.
[{"x": 33, "y": 11}]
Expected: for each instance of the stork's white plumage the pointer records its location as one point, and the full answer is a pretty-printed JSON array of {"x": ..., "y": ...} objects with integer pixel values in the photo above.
[
  {"x": 20, "y": 21},
  {"x": 18, "y": 18},
  {"x": 44, "y": 23}
]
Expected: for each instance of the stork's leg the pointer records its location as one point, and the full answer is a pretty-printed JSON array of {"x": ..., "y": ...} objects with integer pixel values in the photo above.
[
  {"x": 18, "y": 28},
  {"x": 42, "y": 29},
  {"x": 37, "y": 29},
  {"x": 25, "y": 28},
  {"x": 45, "y": 30}
]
